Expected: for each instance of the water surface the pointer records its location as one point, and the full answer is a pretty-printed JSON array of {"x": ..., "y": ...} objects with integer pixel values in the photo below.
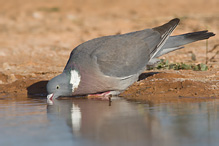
[{"x": 93, "y": 122}]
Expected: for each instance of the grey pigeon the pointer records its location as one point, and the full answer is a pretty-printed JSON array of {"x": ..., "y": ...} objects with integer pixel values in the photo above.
[{"x": 108, "y": 65}]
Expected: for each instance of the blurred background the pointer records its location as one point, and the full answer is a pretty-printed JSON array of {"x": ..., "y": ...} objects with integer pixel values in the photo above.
[{"x": 37, "y": 36}]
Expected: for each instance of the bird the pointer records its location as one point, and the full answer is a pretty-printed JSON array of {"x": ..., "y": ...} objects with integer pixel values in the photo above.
[{"x": 108, "y": 65}]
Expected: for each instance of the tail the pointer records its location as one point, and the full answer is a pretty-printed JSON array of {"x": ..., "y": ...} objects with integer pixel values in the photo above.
[
  {"x": 164, "y": 31},
  {"x": 176, "y": 42}
]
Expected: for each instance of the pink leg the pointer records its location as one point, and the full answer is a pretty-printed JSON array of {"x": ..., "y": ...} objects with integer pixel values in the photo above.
[{"x": 101, "y": 96}]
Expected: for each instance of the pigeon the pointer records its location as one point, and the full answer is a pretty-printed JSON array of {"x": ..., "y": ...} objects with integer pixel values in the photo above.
[{"x": 108, "y": 65}]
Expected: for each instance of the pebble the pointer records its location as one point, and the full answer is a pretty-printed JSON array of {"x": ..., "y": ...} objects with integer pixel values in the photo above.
[
  {"x": 11, "y": 78},
  {"x": 2, "y": 53},
  {"x": 37, "y": 15},
  {"x": 6, "y": 66}
]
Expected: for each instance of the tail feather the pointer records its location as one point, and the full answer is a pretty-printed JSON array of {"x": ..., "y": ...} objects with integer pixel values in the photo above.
[
  {"x": 176, "y": 42},
  {"x": 179, "y": 40}
]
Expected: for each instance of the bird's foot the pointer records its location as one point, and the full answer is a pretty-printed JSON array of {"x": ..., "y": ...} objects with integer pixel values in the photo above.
[{"x": 101, "y": 96}]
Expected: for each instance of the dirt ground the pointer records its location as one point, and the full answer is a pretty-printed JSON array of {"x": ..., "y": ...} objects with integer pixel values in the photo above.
[{"x": 37, "y": 36}]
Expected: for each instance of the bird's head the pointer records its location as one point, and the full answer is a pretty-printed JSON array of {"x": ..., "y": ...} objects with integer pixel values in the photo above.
[{"x": 63, "y": 84}]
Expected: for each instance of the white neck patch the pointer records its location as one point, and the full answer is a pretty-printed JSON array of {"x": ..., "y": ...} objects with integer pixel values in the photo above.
[{"x": 75, "y": 79}]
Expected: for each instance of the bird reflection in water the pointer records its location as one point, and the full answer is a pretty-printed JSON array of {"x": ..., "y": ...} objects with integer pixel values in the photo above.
[{"x": 122, "y": 123}]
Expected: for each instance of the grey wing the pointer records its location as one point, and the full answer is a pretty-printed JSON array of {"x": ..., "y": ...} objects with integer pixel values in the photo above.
[
  {"x": 125, "y": 55},
  {"x": 128, "y": 54}
]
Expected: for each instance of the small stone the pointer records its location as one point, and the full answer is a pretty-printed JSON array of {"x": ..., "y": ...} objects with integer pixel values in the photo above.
[
  {"x": 71, "y": 17},
  {"x": 11, "y": 78},
  {"x": 2, "y": 53},
  {"x": 33, "y": 75},
  {"x": 6, "y": 66},
  {"x": 37, "y": 15}
]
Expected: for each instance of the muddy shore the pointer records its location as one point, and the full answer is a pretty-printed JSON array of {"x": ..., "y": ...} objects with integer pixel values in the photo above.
[{"x": 153, "y": 87}]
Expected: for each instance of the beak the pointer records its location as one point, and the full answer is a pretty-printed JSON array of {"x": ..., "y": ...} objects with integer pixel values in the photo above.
[
  {"x": 50, "y": 96},
  {"x": 49, "y": 99}
]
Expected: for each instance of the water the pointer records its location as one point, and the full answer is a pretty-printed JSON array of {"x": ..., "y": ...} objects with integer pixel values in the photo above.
[{"x": 81, "y": 122}]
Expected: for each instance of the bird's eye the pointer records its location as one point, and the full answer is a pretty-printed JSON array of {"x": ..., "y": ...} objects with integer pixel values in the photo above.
[{"x": 57, "y": 87}]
